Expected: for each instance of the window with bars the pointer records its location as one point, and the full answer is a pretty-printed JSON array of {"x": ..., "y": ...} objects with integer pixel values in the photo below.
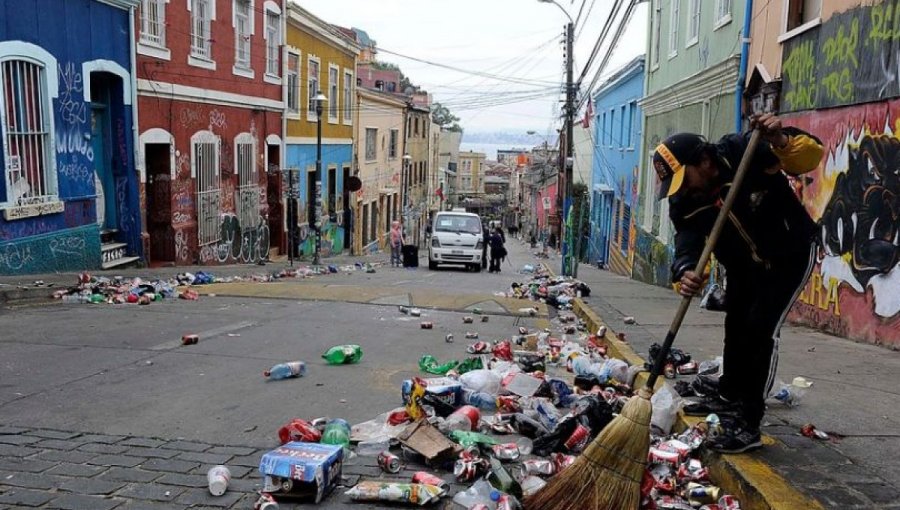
[
  {"x": 723, "y": 11},
  {"x": 371, "y": 143},
  {"x": 29, "y": 168},
  {"x": 333, "y": 97},
  {"x": 273, "y": 42},
  {"x": 693, "y": 22},
  {"x": 201, "y": 19},
  {"x": 205, "y": 167},
  {"x": 248, "y": 190},
  {"x": 153, "y": 22},
  {"x": 674, "y": 16},
  {"x": 348, "y": 96},
  {"x": 243, "y": 28},
  {"x": 392, "y": 145},
  {"x": 293, "y": 82},
  {"x": 312, "y": 86}
]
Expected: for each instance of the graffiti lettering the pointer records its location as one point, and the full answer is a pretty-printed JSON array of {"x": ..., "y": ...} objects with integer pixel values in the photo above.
[
  {"x": 799, "y": 69},
  {"x": 73, "y": 141},
  {"x": 182, "y": 251},
  {"x": 72, "y": 107},
  {"x": 75, "y": 171},
  {"x": 180, "y": 218},
  {"x": 885, "y": 19},
  {"x": 217, "y": 120},
  {"x": 817, "y": 294},
  {"x": 67, "y": 246},
  {"x": 838, "y": 86},
  {"x": 236, "y": 243},
  {"x": 841, "y": 48},
  {"x": 14, "y": 257},
  {"x": 189, "y": 117}
]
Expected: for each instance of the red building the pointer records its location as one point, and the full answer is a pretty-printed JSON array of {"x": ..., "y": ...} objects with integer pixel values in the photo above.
[{"x": 210, "y": 102}]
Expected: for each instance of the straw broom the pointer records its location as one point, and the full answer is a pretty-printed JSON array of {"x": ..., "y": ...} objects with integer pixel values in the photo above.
[{"x": 607, "y": 476}]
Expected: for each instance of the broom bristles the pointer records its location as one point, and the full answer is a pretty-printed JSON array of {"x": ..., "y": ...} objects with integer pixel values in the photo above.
[{"x": 607, "y": 476}]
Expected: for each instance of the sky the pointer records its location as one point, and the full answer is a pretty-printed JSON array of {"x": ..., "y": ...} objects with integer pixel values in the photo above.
[{"x": 518, "y": 41}]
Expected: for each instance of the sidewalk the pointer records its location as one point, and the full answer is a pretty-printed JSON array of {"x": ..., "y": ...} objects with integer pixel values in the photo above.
[{"x": 856, "y": 393}]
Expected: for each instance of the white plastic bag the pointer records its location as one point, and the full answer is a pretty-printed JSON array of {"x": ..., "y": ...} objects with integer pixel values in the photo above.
[
  {"x": 666, "y": 404},
  {"x": 481, "y": 381}
]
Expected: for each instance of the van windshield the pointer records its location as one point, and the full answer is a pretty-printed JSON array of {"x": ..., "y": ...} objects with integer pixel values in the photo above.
[{"x": 457, "y": 223}]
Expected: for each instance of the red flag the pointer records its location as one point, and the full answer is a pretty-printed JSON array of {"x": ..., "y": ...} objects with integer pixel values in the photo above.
[{"x": 588, "y": 113}]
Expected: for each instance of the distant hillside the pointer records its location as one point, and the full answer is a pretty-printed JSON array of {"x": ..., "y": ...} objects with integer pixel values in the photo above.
[{"x": 506, "y": 138}]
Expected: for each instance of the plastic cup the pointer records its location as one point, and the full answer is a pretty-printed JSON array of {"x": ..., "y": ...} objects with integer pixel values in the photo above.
[{"x": 218, "y": 478}]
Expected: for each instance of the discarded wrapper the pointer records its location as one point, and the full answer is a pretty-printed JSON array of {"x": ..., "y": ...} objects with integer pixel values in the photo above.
[{"x": 415, "y": 493}]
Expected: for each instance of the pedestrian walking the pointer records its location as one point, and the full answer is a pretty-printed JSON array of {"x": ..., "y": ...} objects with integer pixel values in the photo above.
[
  {"x": 486, "y": 236},
  {"x": 396, "y": 240},
  {"x": 498, "y": 250},
  {"x": 767, "y": 249}
]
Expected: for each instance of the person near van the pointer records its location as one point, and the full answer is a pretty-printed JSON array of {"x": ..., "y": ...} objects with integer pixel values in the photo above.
[
  {"x": 486, "y": 236},
  {"x": 498, "y": 250},
  {"x": 396, "y": 243}
]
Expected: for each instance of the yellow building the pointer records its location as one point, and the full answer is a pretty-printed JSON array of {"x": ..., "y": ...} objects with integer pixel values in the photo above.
[
  {"x": 319, "y": 59},
  {"x": 470, "y": 180},
  {"x": 418, "y": 124}
]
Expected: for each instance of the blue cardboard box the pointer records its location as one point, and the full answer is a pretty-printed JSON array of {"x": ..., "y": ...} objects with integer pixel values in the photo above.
[{"x": 302, "y": 469}]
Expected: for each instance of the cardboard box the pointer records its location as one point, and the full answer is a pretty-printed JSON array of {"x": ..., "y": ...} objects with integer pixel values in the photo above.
[
  {"x": 426, "y": 440},
  {"x": 302, "y": 469}
]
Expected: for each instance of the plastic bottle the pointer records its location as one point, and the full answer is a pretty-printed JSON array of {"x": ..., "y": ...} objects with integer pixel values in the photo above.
[
  {"x": 502, "y": 480},
  {"x": 343, "y": 355},
  {"x": 337, "y": 432},
  {"x": 286, "y": 370},
  {"x": 478, "y": 493},
  {"x": 429, "y": 364},
  {"x": 464, "y": 418},
  {"x": 484, "y": 401}
]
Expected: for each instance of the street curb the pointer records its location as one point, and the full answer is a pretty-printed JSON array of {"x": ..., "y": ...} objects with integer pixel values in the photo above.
[
  {"x": 25, "y": 296},
  {"x": 753, "y": 481}
]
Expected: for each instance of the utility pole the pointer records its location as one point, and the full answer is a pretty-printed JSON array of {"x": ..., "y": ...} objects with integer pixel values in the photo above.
[{"x": 566, "y": 171}]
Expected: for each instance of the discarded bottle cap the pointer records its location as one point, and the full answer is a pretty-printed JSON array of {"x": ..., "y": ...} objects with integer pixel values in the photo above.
[{"x": 189, "y": 339}]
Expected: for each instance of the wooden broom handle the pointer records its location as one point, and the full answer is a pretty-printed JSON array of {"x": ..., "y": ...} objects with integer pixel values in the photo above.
[{"x": 730, "y": 198}]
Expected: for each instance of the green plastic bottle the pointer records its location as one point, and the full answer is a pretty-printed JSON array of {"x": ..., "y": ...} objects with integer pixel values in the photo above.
[
  {"x": 337, "y": 432},
  {"x": 429, "y": 364},
  {"x": 502, "y": 480},
  {"x": 470, "y": 364},
  {"x": 97, "y": 298},
  {"x": 467, "y": 438},
  {"x": 343, "y": 355}
]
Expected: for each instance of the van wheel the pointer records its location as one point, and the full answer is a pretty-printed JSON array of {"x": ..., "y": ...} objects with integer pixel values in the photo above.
[{"x": 432, "y": 265}]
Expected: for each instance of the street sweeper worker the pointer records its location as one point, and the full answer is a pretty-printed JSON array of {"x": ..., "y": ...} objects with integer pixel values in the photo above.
[{"x": 766, "y": 247}]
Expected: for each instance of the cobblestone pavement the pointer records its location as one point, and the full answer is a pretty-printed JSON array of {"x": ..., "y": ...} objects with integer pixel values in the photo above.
[{"x": 45, "y": 468}]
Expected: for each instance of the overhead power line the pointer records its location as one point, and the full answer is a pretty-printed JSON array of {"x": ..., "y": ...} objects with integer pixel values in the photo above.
[{"x": 510, "y": 79}]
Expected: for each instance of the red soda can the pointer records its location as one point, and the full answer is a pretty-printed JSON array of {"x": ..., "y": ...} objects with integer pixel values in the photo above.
[
  {"x": 190, "y": 339},
  {"x": 508, "y": 404},
  {"x": 562, "y": 461},
  {"x": 669, "y": 371},
  {"x": 540, "y": 467},
  {"x": 398, "y": 417},
  {"x": 465, "y": 470},
  {"x": 729, "y": 502},
  {"x": 389, "y": 462},
  {"x": 477, "y": 347},
  {"x": 426, "y": 325},
  {"x": 674, "y": 445},
  {"x": 657, "y": 456},
  {"x": 506, "y": 451},
  {"x": 299, "y": 430},
  {"x": 579, "y": 438},
  {"x": 688, "y": 368},
  {"x": 430, "y": 479},
  {"x": 265, "y": 502},
  {"x": 507, "y": 502}
]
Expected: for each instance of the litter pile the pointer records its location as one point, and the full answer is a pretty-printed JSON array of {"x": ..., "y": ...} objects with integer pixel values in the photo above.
[
  {"x": 555, "y": 291},
  {"x": 137, "y": 290},
  {"x": 502, "y": 420}
]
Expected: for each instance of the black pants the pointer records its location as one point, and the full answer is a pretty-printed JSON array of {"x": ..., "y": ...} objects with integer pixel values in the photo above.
[
  {"x": 757, "y": 302},
  {"x": 495, "y": 264}
]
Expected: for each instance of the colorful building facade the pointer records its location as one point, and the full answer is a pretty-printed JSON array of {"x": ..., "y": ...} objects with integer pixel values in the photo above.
[
  {"x": 69, "y": 192},
  {"x": 320, "y": 59}
]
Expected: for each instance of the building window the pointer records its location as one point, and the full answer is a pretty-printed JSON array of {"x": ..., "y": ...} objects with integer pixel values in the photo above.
[
  {"x": 365, "y": 224},
  {"x": 248, "y": 189},
  {"x": 30, "y": 168},
  {"x": 674, "y": 15},
  {"x": 153, "y": 22},
  {"x": 273, "y": 42},
  {"x": 622, "y": 131},
  {"x": 801, "y": 12},
  {"x": 201, "y": 19},
  {"x": 332, "y": 190},
  {"x": 205, "y": 169},
  {"x": 632, "y": 111},
  {"x": 348, "y": 96},
  {"x": 657, "y": 27},
  {"x": 723, "y": 12},
  {"x": 334, "y": 98},
  {"x": 371, "y": 141},
  {"x": 312, "y": 85},
  {"x": 392, "y": 145},
  {"x": 612, "y": 125},
  {"x": 293, "y": 82},
  {"x": 243, "y": 30},
  {"x": 693, "y": 22}
]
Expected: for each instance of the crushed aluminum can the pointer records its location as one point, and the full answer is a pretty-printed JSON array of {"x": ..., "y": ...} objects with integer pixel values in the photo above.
[
  {"x": 415, "y": 312},
  {"x": 570, "y": 330},
  {"x": 389, "y": 462},
  {"x": 729, "y": 502},
  {"x": 523, "y": 330},
  {"x": 562, "y": 461},
  {"x": 672, "y": 503},
  {"x": 810, "y": 430},
  {"x": 468, "y": 320},
  {"x": 693, "y": 471},
  {"x": 579, "y": 439},
  {"x": 189, "y": 339},
  {"x": 265, "y": 502},
  {"x": 478, "y": 347},
  {"x": 506, "y": 451},
  {"x": 657, "y": 456},
  {"x": 689, "y": 368},
  {"x": 426, "y": 325},
  {"x": 466, "y": 470},
  {"x": 449, "y": 338},
  {"x": 673, "y": 445},
  {"x": 540, "y": 467},
  {"x": 429, "y": 479},
  {"x": 702, "y": 494},
  {"x": 485, "y": 318},
  {"x": 404, "y": 309},
  {"x": 471, "y": 335},
  {"x": 669, "y": 371}
]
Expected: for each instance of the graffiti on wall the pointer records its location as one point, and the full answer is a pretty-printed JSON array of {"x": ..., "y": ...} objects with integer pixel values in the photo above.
[
  {"x": 236, "y": 243},
  {"x": 61, "y": 250},
  {"x": 852, "y": 58},
  {"x": 854, "y": 196}
]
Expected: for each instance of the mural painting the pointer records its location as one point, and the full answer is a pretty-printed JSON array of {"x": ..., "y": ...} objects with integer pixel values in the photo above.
[{"x": 854, "y": 196}]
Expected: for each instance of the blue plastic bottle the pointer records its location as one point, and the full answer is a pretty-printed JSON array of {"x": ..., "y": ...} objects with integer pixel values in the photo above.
[
  {"x": 481, "y": 400},
  {"x": 286, "y": 370}
]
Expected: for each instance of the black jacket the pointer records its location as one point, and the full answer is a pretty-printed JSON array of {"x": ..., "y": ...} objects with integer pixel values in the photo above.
[{"x": 767, "y": 225}]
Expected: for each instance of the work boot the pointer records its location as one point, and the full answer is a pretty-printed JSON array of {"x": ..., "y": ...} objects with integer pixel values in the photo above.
[
  {"x": 705, "y": 385},
  {"x": 712, "y": 404},
  {"x": 736, "y": 437}
]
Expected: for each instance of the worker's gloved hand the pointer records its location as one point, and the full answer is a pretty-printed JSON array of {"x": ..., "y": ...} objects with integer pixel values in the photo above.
[{"x": 691, "y": 284}]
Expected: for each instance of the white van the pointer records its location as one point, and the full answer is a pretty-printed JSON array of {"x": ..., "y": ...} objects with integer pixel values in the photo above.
[{"x": 456, "y": 238}]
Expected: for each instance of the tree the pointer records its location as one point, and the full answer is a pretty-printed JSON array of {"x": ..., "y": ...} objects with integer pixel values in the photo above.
[{"x": 441, "y": 116}]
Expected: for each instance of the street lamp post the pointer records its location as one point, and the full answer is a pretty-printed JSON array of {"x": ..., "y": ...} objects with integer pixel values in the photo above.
[
  {"x": 317, "y": 211},
  {"x": 405, "y": 212},
  {"x": 565, "y": 187}
]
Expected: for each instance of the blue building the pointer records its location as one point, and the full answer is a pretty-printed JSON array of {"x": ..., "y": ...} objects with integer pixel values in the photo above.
[
  {"x": 69, "y": 192},
  {"x": 617, "y": 140}
]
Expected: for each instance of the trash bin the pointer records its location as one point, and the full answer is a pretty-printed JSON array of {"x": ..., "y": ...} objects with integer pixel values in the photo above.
[{"x": 410, "y": 254}]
